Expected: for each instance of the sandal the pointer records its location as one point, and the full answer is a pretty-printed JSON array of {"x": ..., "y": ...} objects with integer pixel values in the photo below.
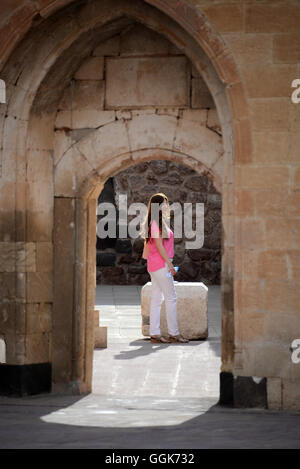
[
  {"x": 178, "y": 338},
  {"x": 156, "y": 339}
]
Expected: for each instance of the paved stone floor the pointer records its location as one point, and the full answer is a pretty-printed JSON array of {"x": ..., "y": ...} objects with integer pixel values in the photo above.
[
  {"x": 145, "y": 395},
  {"x": 133, "y": 366}
]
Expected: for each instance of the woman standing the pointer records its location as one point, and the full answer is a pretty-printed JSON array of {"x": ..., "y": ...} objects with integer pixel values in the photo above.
[{"x": 159, "y": 252}]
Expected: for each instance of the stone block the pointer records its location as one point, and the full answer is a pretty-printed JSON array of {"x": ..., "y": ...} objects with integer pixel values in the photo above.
[
  {"x": 39, "y": 165},
  {"x": 38, "y": 318},
  {"x": 40, "y": 132},
  {"x": 274, "y": 80},
  {"x": 44, "y": 257},
  {"x": 90, "y": 69},
  {"x": 271, "y": 147},
  {"x": 96, "y": 317},
  {"x": 7, "y": 286},
  {"x": 286, "y": 48},
  {"x": 249, "y": 295},
  {"x": 191, "y": 309},
  {"x": 290, "y": 394},
  {"x": 244, "y": 203},
  {"x": 249, "y": 233},
  {"x": 8, "y": 317},
  {"x": 268, "y": 18},
  {"x": 110, "y": 47},
  {"x": 7, "y": 209},
  {"x": 237, "y": 101},
  {"x": 197, "y": 141},
  {"x": 39, "y": 287},
  {"x": 81, "y": 119},
  {"x": 38, "y": 348},
  {"x": 111, "y": 138},
  {"x": 293, "y": 260},
  {"x": 39, "y": 199},
  {"x": 141, "y": 40},
  {"x": 151, "y": 131},
  {"x": 225, "y": 18},
  {"x": 100, "y": 337},
  {"x": 246, "y": 262},
  {"x": 277, "y": 296},
  {"x": 274, "y": 393},
  {"x": 82, "y": 95},
  {"x": 283, "y": 232},
  {"x": 17, "y": 257},
  {"x": 250, "y": 48},
  {"x": 270, "y": 202},
  {"x": 268, "y": 114},
  {"x": 61, "y": 142},
  {"x": 262, "y": 177},
  {"x": 145, "y": 81},
  {"x": 72, "y": 162},
  {"x": 272, "y": 263},
  {"x": 243, "y": 147},
  {"x": 201, "y": 97}
]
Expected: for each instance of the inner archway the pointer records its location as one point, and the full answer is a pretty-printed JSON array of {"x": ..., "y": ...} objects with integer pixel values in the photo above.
[{"x": 126, "y": 365}]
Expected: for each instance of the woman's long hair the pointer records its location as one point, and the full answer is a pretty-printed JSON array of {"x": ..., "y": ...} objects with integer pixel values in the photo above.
[{"x": 152, "y": 215}]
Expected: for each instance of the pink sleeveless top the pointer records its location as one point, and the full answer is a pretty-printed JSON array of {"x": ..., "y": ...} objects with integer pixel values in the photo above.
[{"x": 154, "y": 260}]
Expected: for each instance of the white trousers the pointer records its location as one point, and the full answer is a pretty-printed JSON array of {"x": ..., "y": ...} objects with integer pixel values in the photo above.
[{"x": 163, "y": 289}]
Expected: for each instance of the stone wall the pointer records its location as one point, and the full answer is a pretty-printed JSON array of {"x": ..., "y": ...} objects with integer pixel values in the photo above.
[
  {"x": 119, "y": 260},
  {"x": 140, "y": 74},
  {"x": 248, "y": 54}
]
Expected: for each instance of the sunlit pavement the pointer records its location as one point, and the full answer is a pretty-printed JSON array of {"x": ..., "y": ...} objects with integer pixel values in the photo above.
[
  {"x": 145, "y": 395},
  {"x": 132, "y": 366}
]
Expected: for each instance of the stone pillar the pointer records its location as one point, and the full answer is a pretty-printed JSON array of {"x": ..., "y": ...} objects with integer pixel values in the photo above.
[{"x": 64, "y": 260}]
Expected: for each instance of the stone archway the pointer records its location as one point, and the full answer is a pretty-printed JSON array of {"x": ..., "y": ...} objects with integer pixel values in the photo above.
[
  {"x": 37, "y": 90},
  {"x": 75, "y": 215}
]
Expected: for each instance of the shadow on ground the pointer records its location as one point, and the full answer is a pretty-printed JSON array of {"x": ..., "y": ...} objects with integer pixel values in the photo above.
[{"x": 93, "y": 421}]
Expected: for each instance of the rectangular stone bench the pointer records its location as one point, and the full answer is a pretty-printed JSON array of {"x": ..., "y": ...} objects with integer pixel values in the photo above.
[{"x": 191, "y": 310}]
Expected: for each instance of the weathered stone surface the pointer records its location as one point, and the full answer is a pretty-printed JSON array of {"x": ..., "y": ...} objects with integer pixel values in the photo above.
[
  {"x": 151, "y": 131},
  {"x": 100, "y": 337},
  {"x": 146, "y": 82},
  {"x": 39, "y": 287},
  {"x": 280, "y": 18},
  {"x": 38, "y": 318},
  {"x": 201, "y": 97},
  {"x": 82, "y": 95},
  {"x": 109, "y": 47},
  {"x": 91, "y": 69},
  {"x": 287, "y": 48},
  {"x": 225, "y": 18},
  {"x": 191, "y": 309},
  {"x": 196, "y": 140},
  {"x": 141, "y": 40},
  {"x": 17, "y": 257},
  {"x": 83, "y": 119}
]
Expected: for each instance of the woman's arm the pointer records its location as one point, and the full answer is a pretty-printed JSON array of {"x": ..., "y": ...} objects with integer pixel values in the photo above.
[{"x": 164, "y": 255}]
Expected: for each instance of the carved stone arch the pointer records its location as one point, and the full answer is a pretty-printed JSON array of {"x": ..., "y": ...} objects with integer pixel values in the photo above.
[{"x": 115, "y": 145}]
